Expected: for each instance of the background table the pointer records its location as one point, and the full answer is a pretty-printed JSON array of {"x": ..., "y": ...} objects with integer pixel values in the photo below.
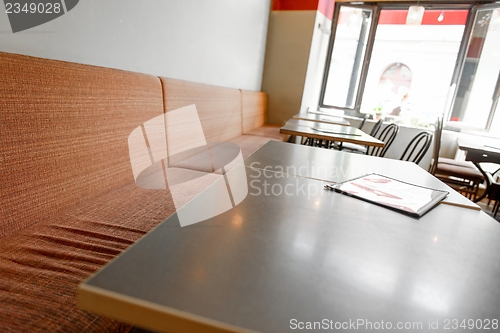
[
  {"x": 329, "y": 132},
  {"x": 322, "y": 118},
  {"x": 479, "y": 153}
]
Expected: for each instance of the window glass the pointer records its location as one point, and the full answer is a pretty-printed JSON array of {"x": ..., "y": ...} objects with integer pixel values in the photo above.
[
  {"x": 474, "y": 98},
  {"x": 347, "y": 56},
  {"x": 411, "y": 66}
]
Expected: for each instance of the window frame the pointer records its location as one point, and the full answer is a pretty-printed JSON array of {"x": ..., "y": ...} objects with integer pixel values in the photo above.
[
  {"x": 458, "y": 70},
  {"x": 377, "y": 7},
  {"x": 366, "y": 59}
]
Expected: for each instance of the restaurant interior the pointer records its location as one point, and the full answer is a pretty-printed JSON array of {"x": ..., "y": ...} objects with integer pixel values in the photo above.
[{"x": 249, "y": 166}]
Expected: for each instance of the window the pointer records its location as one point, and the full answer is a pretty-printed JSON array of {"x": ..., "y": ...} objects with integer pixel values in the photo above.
[
  {"x": 380, "y": 64},
  {"x": 478, "y": 83},
  {"x": 342, "y": 88}
]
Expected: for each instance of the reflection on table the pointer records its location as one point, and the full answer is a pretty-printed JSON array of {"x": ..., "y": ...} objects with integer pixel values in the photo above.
[
  {"x": 329, "y": 132},
  {"x": 327, "y": 119}
]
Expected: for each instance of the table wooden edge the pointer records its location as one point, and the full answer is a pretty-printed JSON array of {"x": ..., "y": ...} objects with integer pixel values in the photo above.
[
  {"x": 147, "y": 315},
  {"x": 474, "y": 206},
  {"x": 340, "y": 139}
]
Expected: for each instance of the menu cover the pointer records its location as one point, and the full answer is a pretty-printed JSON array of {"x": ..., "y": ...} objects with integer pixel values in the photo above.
[{"x": 406, "y": 198}]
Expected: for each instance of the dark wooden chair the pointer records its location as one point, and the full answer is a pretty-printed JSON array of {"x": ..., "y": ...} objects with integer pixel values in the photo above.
[
  {"x": 363, "y": 122},
  {"x": 387, "y": 135},
  {"x": 463, "y": 176},
  {"x": 355, "y": 148},
  {"x": 494, "y": 192},
  {"x": 417, "y": 148}
]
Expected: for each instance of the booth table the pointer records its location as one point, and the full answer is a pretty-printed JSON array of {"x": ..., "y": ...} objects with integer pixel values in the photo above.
[{"x": 293, "y": 253}]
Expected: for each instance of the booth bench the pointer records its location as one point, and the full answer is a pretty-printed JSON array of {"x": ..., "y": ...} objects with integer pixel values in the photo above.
[{"x": 69, "y": 202}]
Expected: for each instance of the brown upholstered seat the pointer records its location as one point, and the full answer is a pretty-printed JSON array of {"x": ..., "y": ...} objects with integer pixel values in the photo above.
[
  {"x": 249, "y": 143},
  {"x": 269, "y": 131},
  {"x": 459, "y": 170},
  {"x": 465, "y": 164},
  {"x": 461, "y": 175}
]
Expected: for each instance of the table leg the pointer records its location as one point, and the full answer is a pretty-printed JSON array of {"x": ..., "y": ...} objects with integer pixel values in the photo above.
[{"x": 486, "y": 179}]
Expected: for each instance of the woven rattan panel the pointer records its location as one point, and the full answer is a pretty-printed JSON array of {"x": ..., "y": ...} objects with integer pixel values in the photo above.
[
  {"x": 219, "y": 109},
  {"x": 253, "y": 109},
  {"x": 63, "y": 133}
]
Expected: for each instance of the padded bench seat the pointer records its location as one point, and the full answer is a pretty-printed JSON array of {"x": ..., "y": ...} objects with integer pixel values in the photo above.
[
  {"x": 250, "y": 143},
  {"x": 42, "y": 265},
  {"x": 269, "y": 131}
]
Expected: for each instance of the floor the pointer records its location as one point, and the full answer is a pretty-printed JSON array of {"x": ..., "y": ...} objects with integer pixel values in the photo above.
[{"x": 487, "y": 209}]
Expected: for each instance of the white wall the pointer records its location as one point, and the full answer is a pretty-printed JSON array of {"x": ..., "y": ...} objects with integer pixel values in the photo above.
[{"x": 219, "y": 42}]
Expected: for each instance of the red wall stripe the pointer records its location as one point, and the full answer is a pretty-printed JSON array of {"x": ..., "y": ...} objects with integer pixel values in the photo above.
[
  {"x": 295, "y": 4},
  {"x": 451, "y": 17},
  {"x": 323, "y": 6}
]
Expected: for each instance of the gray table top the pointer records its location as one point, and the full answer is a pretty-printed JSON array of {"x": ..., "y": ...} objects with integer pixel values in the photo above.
[
  {"x": 330, "y": 132},
  {"x": 292, "y": 252}
]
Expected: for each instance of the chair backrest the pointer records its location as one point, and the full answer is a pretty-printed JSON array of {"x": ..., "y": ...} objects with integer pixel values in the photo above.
[
  {"x": 363, "y": 122},
  {"x": 387, "y": 135},
  {"x": 437, "y": 144},
  {"x": 376, "y": 127},
  {"x": 417, "y": 147}
]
